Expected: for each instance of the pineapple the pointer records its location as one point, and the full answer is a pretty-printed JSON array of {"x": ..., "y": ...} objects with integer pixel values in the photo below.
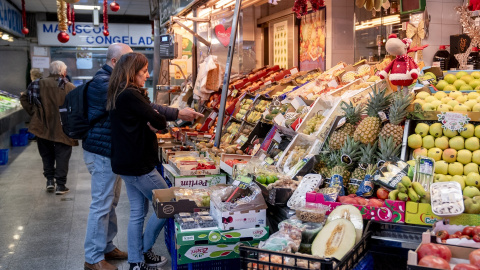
[
  {"x": 387, "y": 148},
  {"x": 369, "y": 157},
  {"x": 398, "y": 114},
  {"x": 351, "y": 149},
  {"x": 368, "y": 129},
  {"x": 352, "y": 116}
]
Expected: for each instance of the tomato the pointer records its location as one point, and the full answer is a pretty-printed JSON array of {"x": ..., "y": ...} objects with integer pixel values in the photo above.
[
  {"x": 476, "y": 230},
  {"x": 453, "y": 236},
  {"x": 476, "y": 238},
  {"x": 475, "y": 258},
  {"x": 382, "y": 193},
  {"x": 465, "y": 236},
  {"x": 434, "y": 262},
  {"x": 468, "y": 231},
  {"x": 465, "y": 266},
  {"x": 443, "y": 234},
  {"x": 438, "y": 250}
]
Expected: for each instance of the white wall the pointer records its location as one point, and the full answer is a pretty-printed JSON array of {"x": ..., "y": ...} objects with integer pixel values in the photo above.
[
  {"x": 340, "y": 36},
  {"x": 444, "y": 22}
]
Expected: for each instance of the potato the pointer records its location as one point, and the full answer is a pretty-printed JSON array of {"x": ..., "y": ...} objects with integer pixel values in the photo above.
[{"x": 239, "y": 152}]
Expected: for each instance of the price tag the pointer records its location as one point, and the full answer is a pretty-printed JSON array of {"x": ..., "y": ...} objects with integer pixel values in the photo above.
[
  {"x": 297, "y": 102},
  {"x": 243, "y": 181},
  {"x": 241, "y": 140},
  {"x": 293, "y": 71},
  {"x": 453, "y": 121},
  {"x": 279, "y": 119},
  {"x": 436, "y": 64},
  {"x": 269, "y": 160},
  {"x": 268, "y": 82},
  {"x": 234, "y": 93},
  {"x": 179, "y": 121}
]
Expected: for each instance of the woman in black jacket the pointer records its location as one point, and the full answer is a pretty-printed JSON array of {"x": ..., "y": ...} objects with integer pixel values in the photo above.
[{"x": 135, "y": 153}]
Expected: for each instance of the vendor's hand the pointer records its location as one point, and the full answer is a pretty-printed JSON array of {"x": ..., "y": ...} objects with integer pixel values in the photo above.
[
  {"x": 188, "y": 114},
  {"x": 152, "y": 128}
]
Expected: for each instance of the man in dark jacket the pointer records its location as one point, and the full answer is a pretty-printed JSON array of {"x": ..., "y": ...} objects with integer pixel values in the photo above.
[{"x": 106, "y": 186}]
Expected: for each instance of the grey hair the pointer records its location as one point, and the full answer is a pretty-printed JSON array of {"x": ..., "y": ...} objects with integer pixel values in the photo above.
[
  {"x": 116, "y": 50},
  {"x": 58, "y": 68}
]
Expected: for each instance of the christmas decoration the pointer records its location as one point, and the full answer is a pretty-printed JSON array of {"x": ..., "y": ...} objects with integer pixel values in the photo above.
[
  {"x": 24, "y": 19},
  {"x": 301, "y": 8},
  {"x": 72, "y": 16},
  {"x": 69, "y": 20},
  {"x": 114, "y": 6},
  {"x": 105, "y": 19},
  {"x": 71, "y": 1},
  {"x": 417, "y": 34},
  {"x": 63, "y": 37},
  {"x": 471, "y": 30}
]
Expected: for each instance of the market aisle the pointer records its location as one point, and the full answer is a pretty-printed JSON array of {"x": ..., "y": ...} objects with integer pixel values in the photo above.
[{"x": 40, "y": 230}]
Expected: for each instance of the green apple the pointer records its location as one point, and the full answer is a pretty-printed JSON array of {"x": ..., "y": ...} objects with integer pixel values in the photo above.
[
  {"x": 448, "y": 177},
  {"x": 460, "y": 180},
  {"x": 450, "y": 87},
  {"x": 473, "y": 95},
  {"x": 422, "y": 151},
  {"x": 458, "y": 84},
  {"x": 467, "y": 78},
  {"x": 464, "y": 156},
  {"x": 457, "y": 143},
  {"x": 419, "y": 101},
  {"x": 472, "y": 143},
  {"x": 461, "y": 99},
  {"x": 453, "y": 103},
  {"x": 472, "y": 205},
  {"x": 469, "y": 103},
  {"x": 436, "y": 130},
  {"x": 473, "y": 179},
  {"x": 476, "y": 107},
  {"x": 474, "y": 83},
  {"x": 458, "y": 108},
  {"x": 450, "y": 133},
  {"x": 442, "y": 142},
  {"x": 441, "y": 84},
  {"x": 439, "y": 177},
  {"x": 415, "y": 141},
  {"x": 445, "y": 108},
  {"x": 470, "y": 167},
  {"x": 422, "y": 129},
  {"x": 428, "y": 141},
  {"x": 441, "y": 167},
  {"x": 465, "y": 87},
  {"x": 429, "y": 99},
  {"x": 455, "y": 94},
  {"x": 470, "y": 191},
  {"x": 477, "y": 131},
  {"x": 469, "y": 132},
  {"x": 440, "y": 95},
  {"x": 476, "y": 157},
  {"x": 435, "y": 153},
  {"x": 449, "y": 155},
  {"x": 450, "y": 78},
  {"x": 422, "y": 95},
  {"x": 428, "y": 107},
  {"x": 460, "y": 74},
  {"x": 437, "y": 103},
  {"x": 475, "y": 74},
  {"x": 445, "y": 100}
]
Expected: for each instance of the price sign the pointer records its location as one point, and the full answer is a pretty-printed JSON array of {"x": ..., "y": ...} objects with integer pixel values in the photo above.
[
  {"x": 243, "y": 181},
  {"x": 242, "y": 140},
  {"x": 453, "y": 121}
]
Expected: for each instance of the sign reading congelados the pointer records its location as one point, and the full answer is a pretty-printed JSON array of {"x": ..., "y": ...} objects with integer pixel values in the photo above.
[
  {"x": 135, "y": 35},
  {"x": 10, "y": 18}
]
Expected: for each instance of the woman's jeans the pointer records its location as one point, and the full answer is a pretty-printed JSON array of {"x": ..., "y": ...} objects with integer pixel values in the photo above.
[{"x": 139, "y": 191}]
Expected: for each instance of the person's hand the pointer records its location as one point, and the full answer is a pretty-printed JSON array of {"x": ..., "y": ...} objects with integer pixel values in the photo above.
[
  {"x": 188, "y": 114},
  {"x": 152, "y": 128}
]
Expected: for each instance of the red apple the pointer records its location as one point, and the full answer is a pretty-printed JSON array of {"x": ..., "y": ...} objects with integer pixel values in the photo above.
[
  {"x": 465, "y": 266},
  {"x": 475, "y": 257},
  {"x": 476, "y": 238},
  {"x": 468, "y": 231},
  {"x": 382, "y": 193},
  {"x": 443, "y": 234},
  {"x": 476, "y": 230},
  {"x": 434, "y": 262}
]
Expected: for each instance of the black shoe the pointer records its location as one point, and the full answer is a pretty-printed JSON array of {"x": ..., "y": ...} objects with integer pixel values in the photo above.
[
  {"x": 61, "y": 189},
  {"x": 50, "y": 185},
  {"x": 141, "y": 266},
  {"x": 151, "y": 259}
]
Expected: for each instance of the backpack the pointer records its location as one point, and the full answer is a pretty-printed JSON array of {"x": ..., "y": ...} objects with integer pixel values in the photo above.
[{"x": 74, "y": 113}]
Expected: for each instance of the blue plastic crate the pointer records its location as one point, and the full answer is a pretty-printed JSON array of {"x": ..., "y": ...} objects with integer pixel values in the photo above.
[
  {"x": 19, "y": 139},
  {"x": 23, "y": 131},
  {"x": 3, "y": 156}
]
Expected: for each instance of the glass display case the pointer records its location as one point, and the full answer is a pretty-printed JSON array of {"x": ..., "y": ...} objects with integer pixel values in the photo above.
[{"x": 372, "y": 29}]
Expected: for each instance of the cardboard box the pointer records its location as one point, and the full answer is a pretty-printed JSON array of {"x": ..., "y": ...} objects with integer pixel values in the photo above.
[
  {"x": 420, "y": 214},
  {"x": 166, "y": 208},
  {"x": 256, "y": 217},
  {"x": 185, "y": 168},
  {"x": 215, "y": 237},
  {"x": 394, "y": 211},
  {"x": 197, "y": 181},
  {"x": 226, "y": 157},
  {"x": 201, "y": 253}
]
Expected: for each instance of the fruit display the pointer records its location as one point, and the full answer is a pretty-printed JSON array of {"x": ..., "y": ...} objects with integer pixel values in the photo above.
[
  {"x": 447, "y": 199},
  {"x": 462, "y": 80},
  {"x": 245, "y": 105},
  {"x": 254, "y": 117},
  {"x": 446, "y": 102},
  {"x": 200, "y": 196},
  {"x": 313, "y": 124},
  {"x": 231, "y": 132},
  {"x": 276, "y": 110},
  {"x": 307, "y": 78},
  {"x": 352, "y": 117},
  {"x": 262, "y": 105},
  {"x": 397, "y": 114}
]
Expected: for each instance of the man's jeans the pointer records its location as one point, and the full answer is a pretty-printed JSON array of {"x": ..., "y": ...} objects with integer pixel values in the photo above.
[
  {"x": 139, "y": 190},
  {"x": 102, "y": 220}
]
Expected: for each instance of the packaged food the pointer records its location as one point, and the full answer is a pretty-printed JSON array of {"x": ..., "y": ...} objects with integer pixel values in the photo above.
[
  {"x": 308, "y": 184},
  {"x": 391, "y": 173},
  {"x": 307, "y": 214},
  {"x": 311, "y": 231},
  {"x": 446, "y": 199},
  {"x": 187, "y": 223},
  {"x": 330, "y": 194},
  {"x": 206, "y": 222},
  {"x": 200, "y": 196},
  {"x": 424, "y": 170},
  {"x": 202, "y": 213}
]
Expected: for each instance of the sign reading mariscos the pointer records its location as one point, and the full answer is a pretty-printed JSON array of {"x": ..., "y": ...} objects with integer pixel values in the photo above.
[
  {"x": 10, "y": 18},
  {"x": 135, "y": 35}
]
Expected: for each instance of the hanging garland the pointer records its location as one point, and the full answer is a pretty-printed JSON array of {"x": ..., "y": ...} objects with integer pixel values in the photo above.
[
  {"x": 301, "y": 7},
  {"x": 471, "y": 30},
  {"x": 63, "y": 37},
  {"x": 72, "y": 16},
  {"x": 105, "y": 19},
  {"x": 69, "y": 20},
  {"x": 24, "y": 19},
  {"x": 114, "y": 6}
]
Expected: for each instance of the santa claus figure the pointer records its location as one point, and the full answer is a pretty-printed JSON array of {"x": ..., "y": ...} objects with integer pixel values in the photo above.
[{"x": 403, "y": 70}]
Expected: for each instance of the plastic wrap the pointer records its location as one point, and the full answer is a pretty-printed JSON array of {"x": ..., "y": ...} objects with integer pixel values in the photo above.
[
  {"x": 243, "y": 199},
  {"x": 311, "y": 231},
  {"x": 447, "y": 199},
  {"x": 200, "y": 196},
  {"x": 311, "y": 213},
  {"x": 391, "y": 173},
  {"x": 308, "y": 184}
]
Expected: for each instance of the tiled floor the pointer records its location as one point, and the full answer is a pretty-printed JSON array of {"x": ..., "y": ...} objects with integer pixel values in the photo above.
[{"x": 40, "y": 230}]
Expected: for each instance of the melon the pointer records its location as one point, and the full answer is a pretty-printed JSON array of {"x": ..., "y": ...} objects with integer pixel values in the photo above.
[
  {"x": 334, "y": 240},
  {"x": 351, "y": 213}
]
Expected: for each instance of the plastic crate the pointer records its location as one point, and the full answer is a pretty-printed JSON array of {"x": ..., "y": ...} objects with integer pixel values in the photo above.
[
  {"x": 3, "y": 156},
  {"x": 19, "y": 139},
  {"x": 250, "y": 256},
  {"x": 23, "y": 131}
]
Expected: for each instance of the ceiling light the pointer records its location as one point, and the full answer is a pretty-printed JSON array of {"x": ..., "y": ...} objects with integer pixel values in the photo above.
[
  {"x": 86, "y": 7},
  {"x": 5, "y": 37},
  {"x": 204, "y": 12},
  {"x": 394, "y": 19},
  {"x": 221, "y": 3},
  {"x": 10, "y": 39}
]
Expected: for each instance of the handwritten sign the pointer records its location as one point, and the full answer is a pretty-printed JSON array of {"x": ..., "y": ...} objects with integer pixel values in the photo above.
[{"x": 453, "y": 121}]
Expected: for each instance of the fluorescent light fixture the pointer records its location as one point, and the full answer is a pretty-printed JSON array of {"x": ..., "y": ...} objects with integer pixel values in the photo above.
[
  {"x": 222, "y": 3},
  {"x": 86, "y": 7},
  {"x": 96, "y": 17},
  {"x": 204, "y": 12},
  {"x": 394, "y": 19},
  {"x": 10, "y": 39},
  {"x": 5, "y": 37}
]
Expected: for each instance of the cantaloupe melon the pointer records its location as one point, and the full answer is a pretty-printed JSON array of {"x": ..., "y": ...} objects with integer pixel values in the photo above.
[
  {"x": 351, "y": 213},
  {"x": 334, "y": 240}
]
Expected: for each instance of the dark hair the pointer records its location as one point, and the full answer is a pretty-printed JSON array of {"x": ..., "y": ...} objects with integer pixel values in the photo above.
[{"x": 123, "y": 76}]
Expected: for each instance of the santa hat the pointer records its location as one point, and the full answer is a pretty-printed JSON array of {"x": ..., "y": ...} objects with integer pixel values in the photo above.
[{"x": 407, "y": 42}]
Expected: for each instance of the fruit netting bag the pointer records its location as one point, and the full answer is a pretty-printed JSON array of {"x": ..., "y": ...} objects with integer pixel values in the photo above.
[{"x": 243, "y": 199}]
